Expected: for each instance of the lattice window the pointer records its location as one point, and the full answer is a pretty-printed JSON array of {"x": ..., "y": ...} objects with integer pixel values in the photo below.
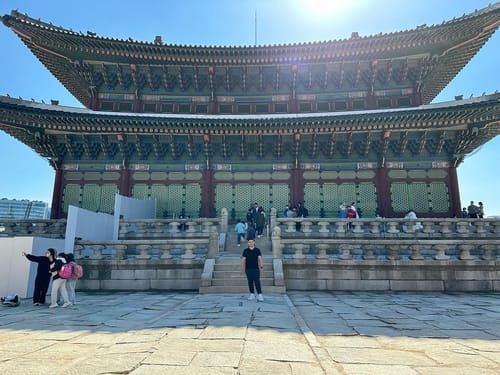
[
  {"x": 140, "y": 191},
  {"x": 243, "y": 199},
  {"x": 91, "y": 197},
  {"x": 192, "y": 200},
  {"x": 313, "y": 199},
  {"x": 71, "y": 196},
  {"x": 418, "y": 196},
  {"x": 108, "y": 198},
  {"x": 367, "y": 199},
  {"x": 281, "y": 197},
  {"x": 399, "y": 197},
  {"x": 331, "y": 199},
  {"x": 261, "y": 195},
  {"x": 224, "y": 199},
  {"x": 439, "y": 197}
]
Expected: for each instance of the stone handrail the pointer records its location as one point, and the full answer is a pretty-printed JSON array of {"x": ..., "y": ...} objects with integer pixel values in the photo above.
[
  {"x": 181, "y": 249},
  {"x": 165, "y": 228},
  {"x": 390, "y": 228},
  {"x": 385, "y": 249},
  {"x": 39, "y": 228}
]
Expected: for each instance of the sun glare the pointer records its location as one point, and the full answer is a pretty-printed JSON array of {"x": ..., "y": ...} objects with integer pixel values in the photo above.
[{"x": 324, "y": 8}]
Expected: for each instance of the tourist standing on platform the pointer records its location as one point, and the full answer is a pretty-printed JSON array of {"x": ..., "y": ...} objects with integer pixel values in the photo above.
[
  {"x": 42, "y": 278},
  {"x": 465, "y": 214},
  {"x": 58, "y": 283},
  {"x": 71, "y": 283},
  {"x": 480, "y": 210},
  {"x": 252, "y": 265},
  {"x": 240, "y": 231},
  {"x": 472, "y": 210},
  {"x": 343, "y": 211},
  {"x": 260, "y": 222},
  {"x": 251, "y": 232}
]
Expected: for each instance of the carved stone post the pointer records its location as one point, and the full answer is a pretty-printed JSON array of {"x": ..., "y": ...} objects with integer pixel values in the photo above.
[
  {"x": 488, "y": 252},
  {"x": 166, "y": 251},
  {"x": 394, "y": 252},
  {"x": 415, "y": 252},
  {"x": 223, "y": 220},
  {"x": 213, "y": 246},
  {"x": 97, "y": 251},
  {"x": 77, "y": 251},
  {"x": 276, "y": 243},
  {"x": 345, "y": 251},
  {"x": 120, "y": 251},
  {"x": 188, "y": 251},
  {"x": 323, "y": 227},
  {"x": 322, "y": 247},
  {"x": 299, "y": 251},
  {"x": 174, "y": 227},
  {"x": 143, "y": 251},
  {"x": 465, "y": 252},
  {"x": 368, "y": 253},
  {"x": 272, "y": 218},
  {"x": 441, "y": 252}
]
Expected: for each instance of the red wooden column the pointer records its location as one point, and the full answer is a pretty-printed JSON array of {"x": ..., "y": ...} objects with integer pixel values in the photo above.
[
  {"x": 124, "y": 184},
  {"x": 297, "y": 183},
  {"x": 207, "y": 208},
  {"x": 56, "y": 207},
  {"x": 383, "y": 186},
  {"x": 454, "y": 193}
]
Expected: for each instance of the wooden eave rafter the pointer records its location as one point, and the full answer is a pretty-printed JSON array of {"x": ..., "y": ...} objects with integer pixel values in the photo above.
[{"x": 452, "y": 44}]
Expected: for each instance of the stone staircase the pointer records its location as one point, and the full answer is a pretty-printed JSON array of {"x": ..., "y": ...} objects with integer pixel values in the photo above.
[{"x": 226, "y": 277}]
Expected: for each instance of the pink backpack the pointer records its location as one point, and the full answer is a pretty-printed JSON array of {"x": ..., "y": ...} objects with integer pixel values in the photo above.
[
  {"x": 66, "y": 271},
  {"x": 77, "y": 271}
]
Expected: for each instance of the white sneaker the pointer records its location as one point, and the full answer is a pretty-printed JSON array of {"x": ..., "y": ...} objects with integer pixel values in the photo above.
[
  {"x": 52, "y": 306},
  {"x": 67, "y": 304},
  {"x": 251, "y": 297},
  {"x": 260, "y": 298}
]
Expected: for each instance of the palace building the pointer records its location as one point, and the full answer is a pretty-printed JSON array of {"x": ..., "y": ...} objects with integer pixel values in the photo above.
[{"x": 203, "y": 128}]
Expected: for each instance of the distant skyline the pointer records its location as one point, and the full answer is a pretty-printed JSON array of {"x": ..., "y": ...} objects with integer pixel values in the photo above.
[{"x": 26, "y": 175}]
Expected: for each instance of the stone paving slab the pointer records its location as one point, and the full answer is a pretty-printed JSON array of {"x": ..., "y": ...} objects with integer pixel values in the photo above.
[{"x": 297, "y": 333}]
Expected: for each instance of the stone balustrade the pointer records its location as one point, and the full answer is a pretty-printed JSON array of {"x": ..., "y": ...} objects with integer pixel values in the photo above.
[
  {"x": 388, "y": 250},
  {"x": 38, "y": 228},
  {"x": 390, "y": 228},
  {"x": 165, "y": 228},
  {"x": 132, "y": 250}
]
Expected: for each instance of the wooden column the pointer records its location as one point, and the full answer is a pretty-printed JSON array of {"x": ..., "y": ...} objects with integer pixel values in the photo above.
[
  {"x": 383, "y": 187},
  {"x": 56, "y": 207},
  {"x": 207, "y": 194},
  {"x": 297, "y": 183},
  {"x": 454, "y": 193},
  {"x": 125, "y": 185}
]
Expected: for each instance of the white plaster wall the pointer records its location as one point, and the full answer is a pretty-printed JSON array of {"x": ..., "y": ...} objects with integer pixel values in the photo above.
[{"x": 17, "y": 274}]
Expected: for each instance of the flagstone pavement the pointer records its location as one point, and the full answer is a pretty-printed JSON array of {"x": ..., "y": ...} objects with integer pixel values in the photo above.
[{"x": 295, "y": 333}]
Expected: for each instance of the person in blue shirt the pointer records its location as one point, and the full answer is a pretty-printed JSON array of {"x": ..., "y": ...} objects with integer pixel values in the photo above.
[{"x": 240, "y": 231}]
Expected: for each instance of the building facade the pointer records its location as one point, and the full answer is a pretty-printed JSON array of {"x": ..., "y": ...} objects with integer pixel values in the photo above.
[
  {"x": 13, "y": 209},
  {"x": 203, "y": 128}
]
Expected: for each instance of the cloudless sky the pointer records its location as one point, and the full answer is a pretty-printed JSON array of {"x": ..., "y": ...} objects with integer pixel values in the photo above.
[{"x": 25, "y": 175}]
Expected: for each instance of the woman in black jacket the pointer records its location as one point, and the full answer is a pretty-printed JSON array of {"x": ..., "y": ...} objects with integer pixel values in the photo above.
[{"x": 42, "y": 278}]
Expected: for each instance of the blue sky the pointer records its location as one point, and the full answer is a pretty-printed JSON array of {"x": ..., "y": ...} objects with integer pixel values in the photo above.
[{"x": 25, "y": 175}]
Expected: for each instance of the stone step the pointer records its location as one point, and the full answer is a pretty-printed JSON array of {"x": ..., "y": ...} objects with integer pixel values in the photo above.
[
  {"x": 239, "y": 289},
  {"x": 233, "y": 275},
  {"x": 241, "y": 282}
]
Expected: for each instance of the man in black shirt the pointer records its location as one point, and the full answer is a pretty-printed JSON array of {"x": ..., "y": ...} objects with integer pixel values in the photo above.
[{"x": 252, "y": 265}]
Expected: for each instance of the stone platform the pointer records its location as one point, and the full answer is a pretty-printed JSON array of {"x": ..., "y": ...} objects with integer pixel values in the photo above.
[{"x": 294, "y": 333}]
